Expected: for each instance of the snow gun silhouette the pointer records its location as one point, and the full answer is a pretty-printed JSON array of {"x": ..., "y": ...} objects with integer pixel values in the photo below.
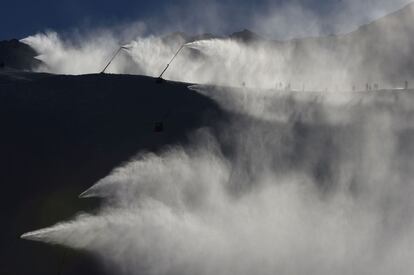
[
  {"x": 160, "y": 79},
  {"x": 125, "y": 47}
]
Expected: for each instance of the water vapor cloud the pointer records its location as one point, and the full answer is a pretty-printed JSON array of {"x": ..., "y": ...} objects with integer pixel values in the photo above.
[{"x": 311, "y": 173}]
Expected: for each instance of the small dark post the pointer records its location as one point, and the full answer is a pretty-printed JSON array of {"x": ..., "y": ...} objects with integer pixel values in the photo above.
[
  {"x": 406, "y": 85},
  {"x": 158, "y": 127}
]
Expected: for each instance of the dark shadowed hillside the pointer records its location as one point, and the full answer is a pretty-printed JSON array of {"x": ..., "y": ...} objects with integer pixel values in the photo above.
[
  {"x": 17, "y": 55},
  {"x": 60, "y": 134}
]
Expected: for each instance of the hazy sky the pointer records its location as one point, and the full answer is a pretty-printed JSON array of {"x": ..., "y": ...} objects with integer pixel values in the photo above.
[{"x": 20, "y": 18}]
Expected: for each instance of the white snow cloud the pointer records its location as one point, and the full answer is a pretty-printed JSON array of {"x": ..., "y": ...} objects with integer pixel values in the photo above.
[{"x": 314, "y": 183}]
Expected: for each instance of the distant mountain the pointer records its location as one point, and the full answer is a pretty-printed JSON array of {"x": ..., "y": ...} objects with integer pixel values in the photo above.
[
  {"x": 17, "y": 55},
  {"x": 243, "y": 36},
  {"x": 246, "y": 36},
  {"x": 182, "y": 37}
]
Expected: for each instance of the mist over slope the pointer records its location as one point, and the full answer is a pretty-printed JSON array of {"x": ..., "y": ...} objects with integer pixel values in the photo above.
[
  {"x": 303, "y": 183},
  {"x": 292, "y": 174},
  {"x": 376, "y": 54}
]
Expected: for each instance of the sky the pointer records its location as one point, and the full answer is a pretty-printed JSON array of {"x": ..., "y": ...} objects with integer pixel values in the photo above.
[{"x": 20, "y": 18}]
